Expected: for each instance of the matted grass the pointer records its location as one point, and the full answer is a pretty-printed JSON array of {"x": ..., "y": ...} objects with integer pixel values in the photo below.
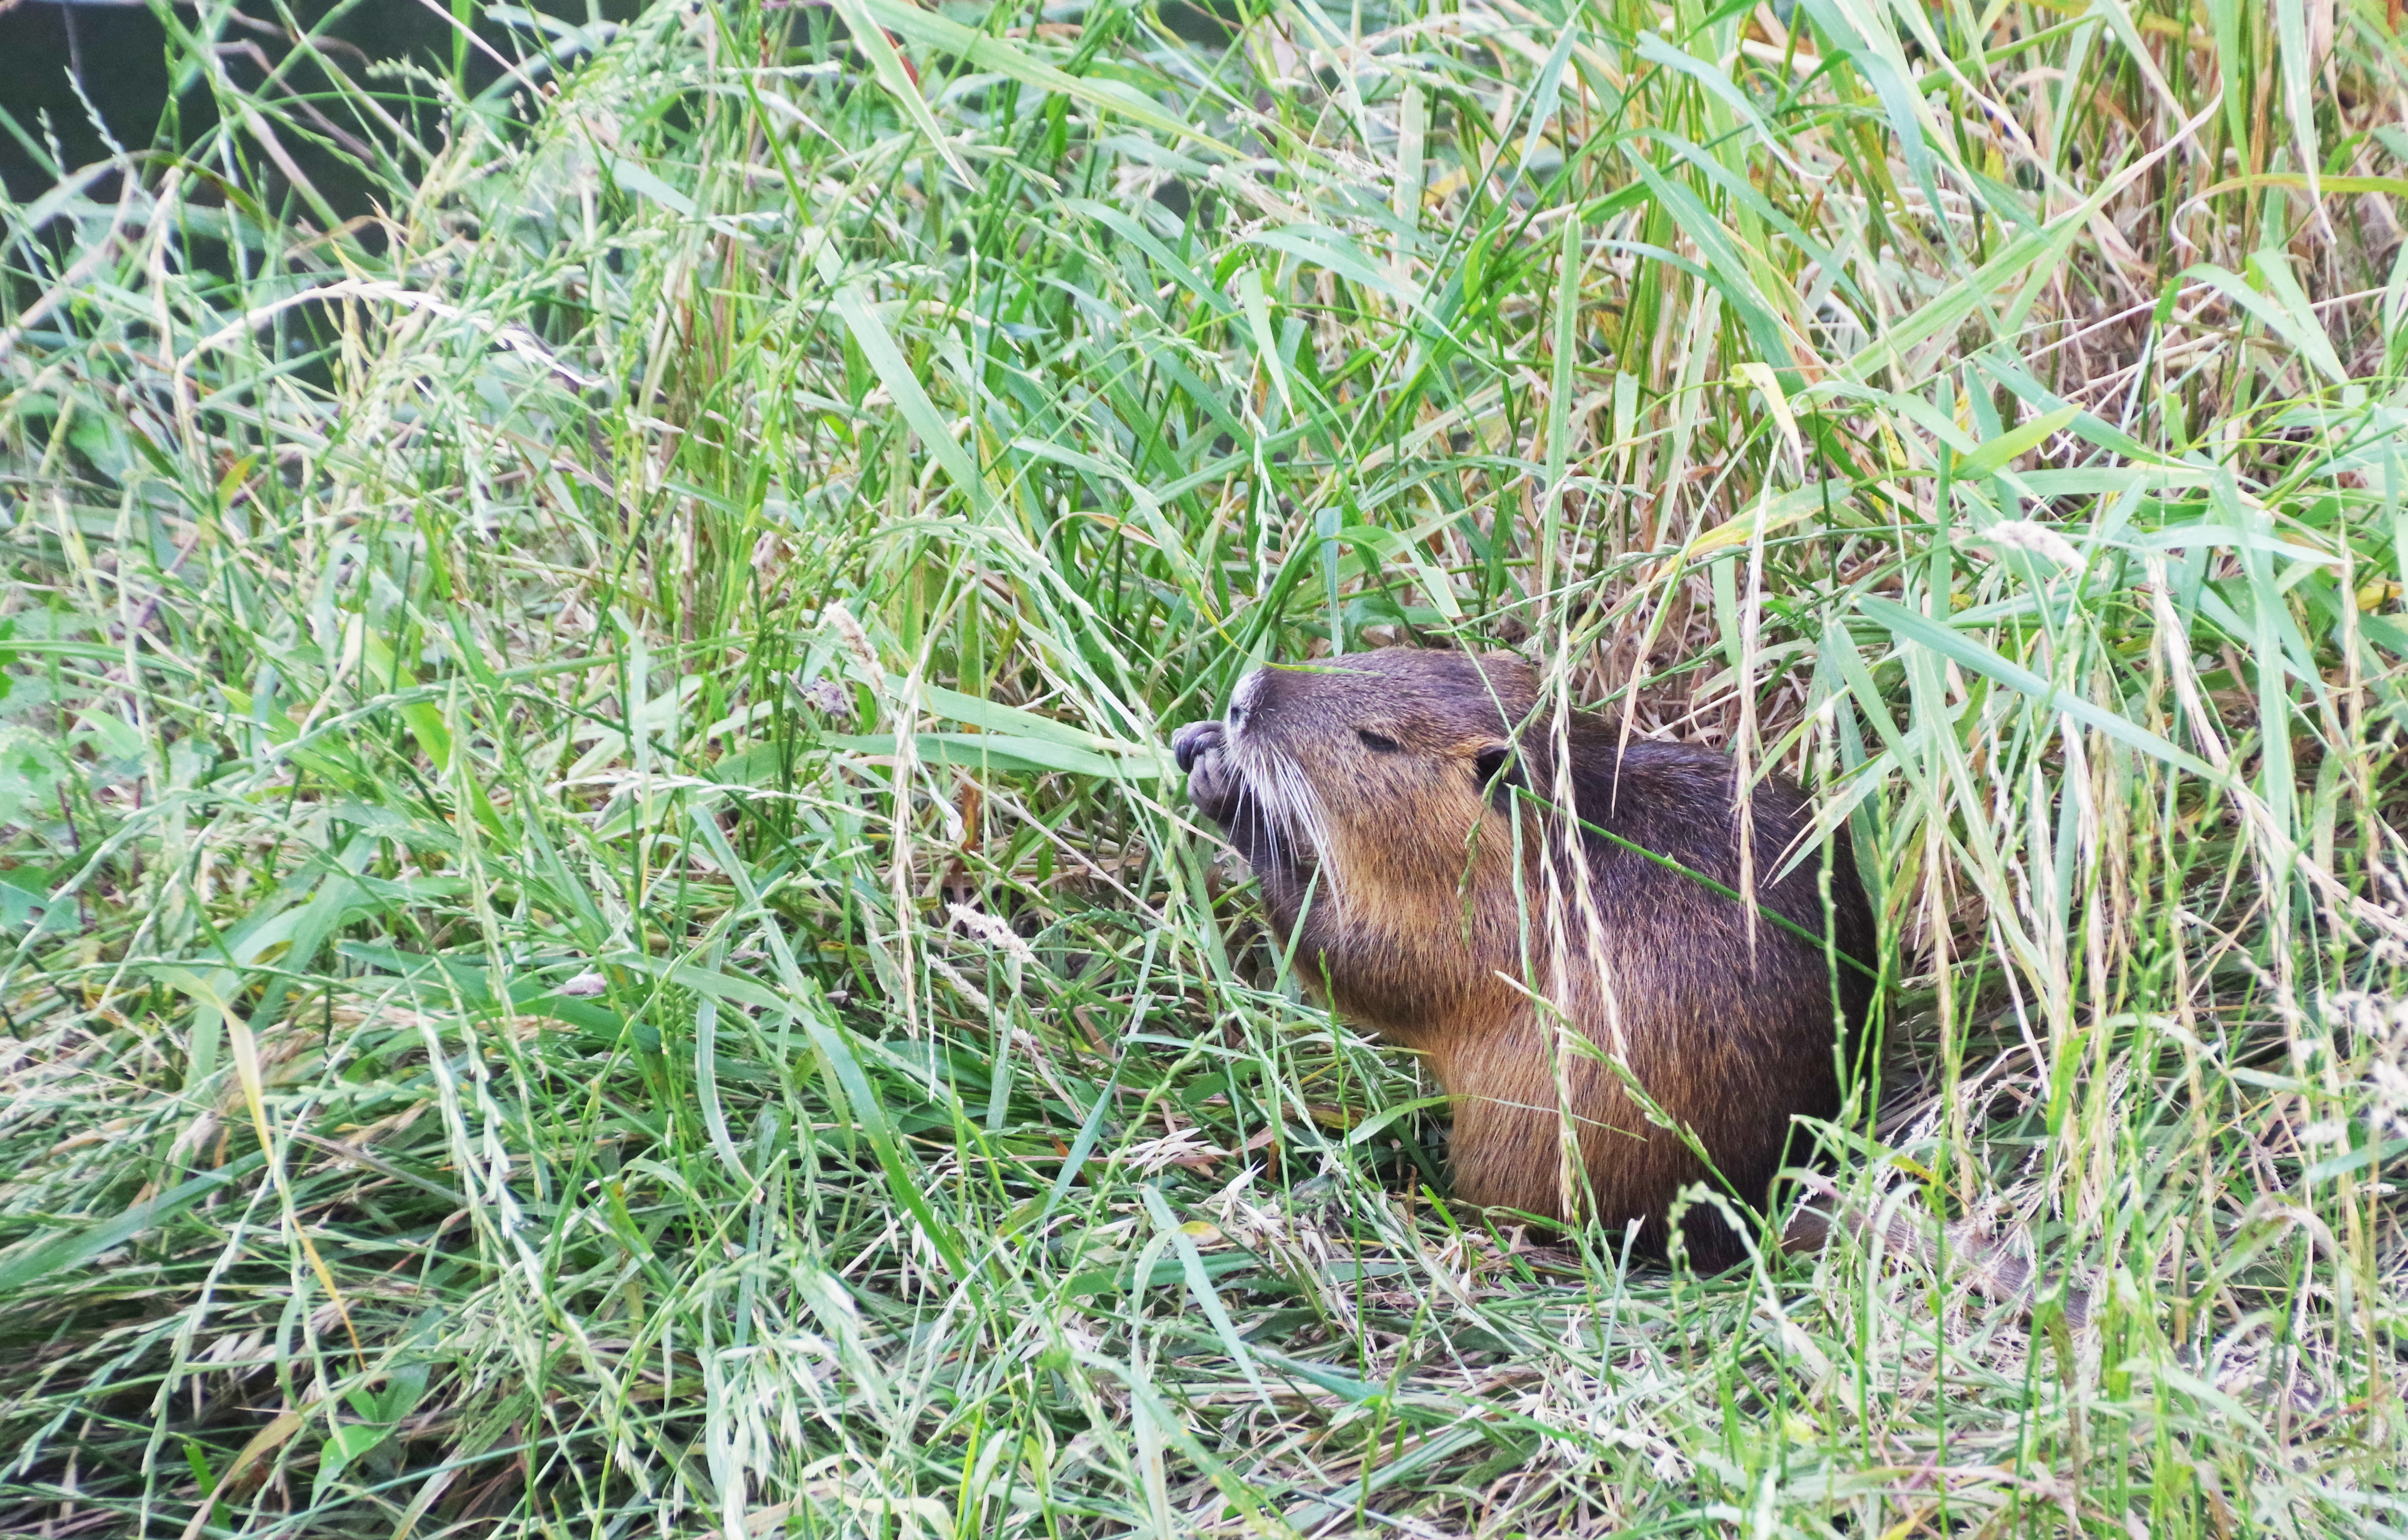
[{"x": 600, "y": 938}]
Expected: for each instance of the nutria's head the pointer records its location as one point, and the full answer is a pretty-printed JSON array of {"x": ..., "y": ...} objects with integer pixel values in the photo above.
[{"x": 1348, "y": 759}]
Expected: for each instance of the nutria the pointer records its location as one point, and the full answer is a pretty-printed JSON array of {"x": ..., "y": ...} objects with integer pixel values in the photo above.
[{"x": 1403, "y": 809}]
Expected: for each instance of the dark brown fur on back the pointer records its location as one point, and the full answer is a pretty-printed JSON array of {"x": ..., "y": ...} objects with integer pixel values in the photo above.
[{"x": 1403, "y": 809}]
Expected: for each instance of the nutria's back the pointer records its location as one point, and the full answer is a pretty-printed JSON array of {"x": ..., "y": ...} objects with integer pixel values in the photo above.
[{"x": 1443, "y": 867}]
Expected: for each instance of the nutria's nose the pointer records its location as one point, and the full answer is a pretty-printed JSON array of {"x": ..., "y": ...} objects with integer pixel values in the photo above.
[{"x": 1191, "y": 740}]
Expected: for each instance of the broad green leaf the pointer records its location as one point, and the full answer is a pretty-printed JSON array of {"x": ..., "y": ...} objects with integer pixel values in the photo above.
[
  {"x": 1967, "y": 652},
  {"x": 888, "y": 66},
  {"x": 1007, "y": 57},
  {"x": 29, "y": 1262},
  {"x": 1002, "y": 752},
  {"x": 1996, "y": 454}
]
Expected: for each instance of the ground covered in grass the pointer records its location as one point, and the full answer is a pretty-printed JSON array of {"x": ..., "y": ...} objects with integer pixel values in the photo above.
[{"x": 599, "y": 936}]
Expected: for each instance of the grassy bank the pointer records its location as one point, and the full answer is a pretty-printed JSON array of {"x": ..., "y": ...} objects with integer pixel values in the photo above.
[{"x": 600, "y": 939}]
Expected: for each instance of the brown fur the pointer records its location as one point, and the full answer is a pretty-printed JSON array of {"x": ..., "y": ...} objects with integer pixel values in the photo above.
[{"x": 1420, "y": 887}]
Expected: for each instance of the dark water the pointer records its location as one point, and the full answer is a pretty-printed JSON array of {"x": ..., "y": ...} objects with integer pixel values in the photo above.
[{"x": 121, "y": 57}]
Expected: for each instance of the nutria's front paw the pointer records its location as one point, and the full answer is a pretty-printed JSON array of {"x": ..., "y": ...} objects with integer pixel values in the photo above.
[{"x": 1211, "y": 785}]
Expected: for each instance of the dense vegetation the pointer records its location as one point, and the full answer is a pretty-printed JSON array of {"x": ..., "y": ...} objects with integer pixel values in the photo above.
[{"x": 600, "y": 938}]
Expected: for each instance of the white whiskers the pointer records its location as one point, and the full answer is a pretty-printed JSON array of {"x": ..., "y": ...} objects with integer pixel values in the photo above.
[{"x": 1291, "y": 811}]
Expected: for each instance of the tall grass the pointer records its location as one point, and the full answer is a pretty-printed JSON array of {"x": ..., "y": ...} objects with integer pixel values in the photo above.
[{"x": 600, "y": 938}]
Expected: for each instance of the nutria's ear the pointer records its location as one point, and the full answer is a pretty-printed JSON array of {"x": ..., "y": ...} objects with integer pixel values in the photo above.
[{"x": 1490, "y": 763}]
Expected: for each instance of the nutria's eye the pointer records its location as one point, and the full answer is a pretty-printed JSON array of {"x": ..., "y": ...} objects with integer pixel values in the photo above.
[{"x": 1377, "y": 744}]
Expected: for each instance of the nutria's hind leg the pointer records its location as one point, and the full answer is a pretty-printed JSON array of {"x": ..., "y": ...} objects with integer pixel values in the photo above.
[
  {"x": 1707, "y": 1236},
  {"x": 1747, "y": 1183}
]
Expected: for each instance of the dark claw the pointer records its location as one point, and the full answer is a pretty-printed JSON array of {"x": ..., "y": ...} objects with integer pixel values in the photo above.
[{"x": 1191, "y": 740}]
